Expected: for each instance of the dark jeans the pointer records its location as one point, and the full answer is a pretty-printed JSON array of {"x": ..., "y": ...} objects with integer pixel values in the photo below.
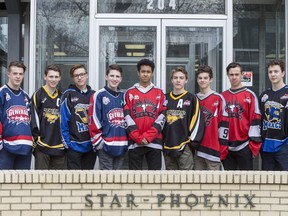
[
  {"x": 239, "y": 160},
  {"x": 13, "y": 161},
  {"x": 275, "y": 160},
  {"x": 80, "y": 161},
  {"x": 153, "y": 158},
  {"x": 48, "y": 162},
  {"x": 108, "y": 162}
]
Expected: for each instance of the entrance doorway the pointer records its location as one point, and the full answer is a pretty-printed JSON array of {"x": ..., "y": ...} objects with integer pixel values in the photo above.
[{"x": 169, "y": 43}]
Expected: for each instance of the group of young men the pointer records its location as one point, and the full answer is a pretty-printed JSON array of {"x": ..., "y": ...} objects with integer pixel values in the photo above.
[{"x": 200, "y": 131}]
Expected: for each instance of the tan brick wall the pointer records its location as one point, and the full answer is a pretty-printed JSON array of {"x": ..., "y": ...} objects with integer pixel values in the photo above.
[{"x": 143, "y": 193}]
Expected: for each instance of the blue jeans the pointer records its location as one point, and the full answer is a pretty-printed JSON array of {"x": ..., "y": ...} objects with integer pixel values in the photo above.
[
  {"x": 275, "y": 160},
  {"x": 11, "y": 161}
]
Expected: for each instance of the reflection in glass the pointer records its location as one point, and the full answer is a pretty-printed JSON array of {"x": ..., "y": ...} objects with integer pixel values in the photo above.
[
  {"x": 162, "y": 6},
  {"x": 126, "y": 45},
  {"x": 190, "y": 47},
  {"x": 3, "y": 48},
  {"x": 62, "y": 36}
]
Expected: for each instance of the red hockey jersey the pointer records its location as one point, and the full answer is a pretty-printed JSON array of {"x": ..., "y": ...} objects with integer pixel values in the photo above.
[
  {"x": 144, "y": 113},
  {"x": 214, "y": 145},
  {"x": 244, "y": 119}
]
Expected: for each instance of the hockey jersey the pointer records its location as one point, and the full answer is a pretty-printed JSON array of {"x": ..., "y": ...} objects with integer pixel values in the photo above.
[
  {"x": 274, "y": 109},
  {"x": 106, "y": 122},
  {"x": 184, "y": 123},
  {"x": 15, "y": 121},
  {"x": 244, "y": 119},
  {"x": 217, "y": 127},
  {"x": 144, "y": 114},
  {"x": 45, "y": 121},
  {"x": 74, "y": 119}
]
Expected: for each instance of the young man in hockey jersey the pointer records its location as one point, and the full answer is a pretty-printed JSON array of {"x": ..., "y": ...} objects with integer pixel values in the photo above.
[
  {"x": 273, "y": 106},
  {"x": 74, "y": 121},
  {"x": 49, "y": 150},
  {"x": 244, "y": 122},
  {"x": 184, "y": 127},
  {"x": 15, "y": 137},
  {"x": 144, "y": 113},
  {"x": 106, "y": 122},
  {"x": 214, "y": 145}
]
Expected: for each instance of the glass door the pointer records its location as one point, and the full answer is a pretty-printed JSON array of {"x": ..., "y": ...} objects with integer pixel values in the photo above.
[
  {"x": 191, "y": 43},
  {"x": 125, "y": 42}
]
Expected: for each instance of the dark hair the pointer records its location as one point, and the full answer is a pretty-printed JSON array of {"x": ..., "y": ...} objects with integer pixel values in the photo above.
[
  {"x": 145, "y": 62},
  {"x": 75, "y": 67},
  {"x": 234, "y": 65},
  {"x": 179, "y": 69},
  {"x": 18, "y": 64},
  {"x": 114, "y": 67},
  {"x": 52, "y": 67},
  {"x": 205, "y": 69},
  {"x": 280, "y": 63}
]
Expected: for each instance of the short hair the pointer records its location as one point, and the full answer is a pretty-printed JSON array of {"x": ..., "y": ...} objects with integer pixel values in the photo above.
[
  {"x": 52, "y": 67},
  {"x": 234, "y": 65},
  {"x": 75, "y": 67},
  {"x": 114, "y": 67},
  {"x": 205, "y": 69},
  {"x": 179, "y": 69},
  {"x": 278, "y": 62},
  {"x": 18, "y": 64},
  {"x": 145, "y": 62}
]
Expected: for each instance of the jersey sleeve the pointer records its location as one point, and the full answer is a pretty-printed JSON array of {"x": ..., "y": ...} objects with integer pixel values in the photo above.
[
  {"x": 158, "y": 125},
  {"x": 35, "y": 122},
  {"x": 255, "y": 140},
  {"x": 130, "y": 125},
  {"x": 223, "y": 128},
  {"x": 65, "y": 115},
  {"x": 197, "y": 124},
  {"x": 95, "y": 120}
]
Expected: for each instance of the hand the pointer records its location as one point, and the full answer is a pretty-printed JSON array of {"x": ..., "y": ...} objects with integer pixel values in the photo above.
[{"x": 144, "y": 141}]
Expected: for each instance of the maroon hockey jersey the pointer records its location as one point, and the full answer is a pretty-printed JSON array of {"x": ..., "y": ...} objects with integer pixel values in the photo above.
[
  {"x": 214, "y": 145},
  {"x": 244, "y": 119}
]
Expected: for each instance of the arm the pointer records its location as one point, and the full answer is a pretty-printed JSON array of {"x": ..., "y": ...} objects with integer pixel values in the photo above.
[
  {"x": 197, "y": 125},
  {"x": 158, "y": 125},
  {"x": 65, "y": 121},
  {"x": 255, "y": 140},
  {"x": 95, "y": 119},
  {"x": 35, "y": 122}
]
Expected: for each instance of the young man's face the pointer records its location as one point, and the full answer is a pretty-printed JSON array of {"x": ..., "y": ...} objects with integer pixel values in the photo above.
[
  {"x": 179, "y": 80},
  {"x": 113, "y": 79},
  {"x": 52, "y": 79},
  {"x": 80, "y": 77},
  {"x": 235, "y": 77},
  {"x": 145, "y": 75},
  {"x": 275, "y": 74},
  {"x": 15, "y": 75},
  {"x": 204, "y": 81}
]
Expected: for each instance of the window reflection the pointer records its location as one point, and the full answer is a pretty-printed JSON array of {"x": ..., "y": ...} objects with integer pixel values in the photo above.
[
  {"x": 62, "y": 36},
  {"x": 3, "y": 48}
]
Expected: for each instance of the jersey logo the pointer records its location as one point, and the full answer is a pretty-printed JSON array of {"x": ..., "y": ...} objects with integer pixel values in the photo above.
[
  {"x": 264, "y": 98},
  {"x": 18, "y": 114},
  {"x": 234, "y": 110},
  {"x": 81, "y": 112},
  {"x": 105, "y": 100},
  {"x": 7, "y": 96},
  {"x": 208, "y": 115},
  {"x": 273, "y": 115},
  {"x": 116, "y": 117},
  {"x": 144, "y": 108},
  {"x": 174, "y": 115},
  {"x": 51, "y": 115},
  {"x": 284, "y": 97},
  {"x": 74, "y": 99}
]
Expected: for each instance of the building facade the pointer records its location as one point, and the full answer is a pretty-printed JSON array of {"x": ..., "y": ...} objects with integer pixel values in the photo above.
[{"x": 171, "y": 32}]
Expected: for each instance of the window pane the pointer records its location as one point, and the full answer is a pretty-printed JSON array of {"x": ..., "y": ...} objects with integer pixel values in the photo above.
[
  {"x": 3, "y": 48},
  {"x": 62, "y": 36}
]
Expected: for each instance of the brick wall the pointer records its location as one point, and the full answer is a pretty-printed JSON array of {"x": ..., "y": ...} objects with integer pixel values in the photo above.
[{"x": 143, "y": 193}]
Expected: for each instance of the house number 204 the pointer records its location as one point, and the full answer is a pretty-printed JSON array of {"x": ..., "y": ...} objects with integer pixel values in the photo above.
[{"x": 151, "y": 4}]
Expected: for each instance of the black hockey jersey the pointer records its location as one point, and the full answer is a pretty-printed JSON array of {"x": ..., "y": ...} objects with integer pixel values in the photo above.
[{"x": 45, "y": 121}]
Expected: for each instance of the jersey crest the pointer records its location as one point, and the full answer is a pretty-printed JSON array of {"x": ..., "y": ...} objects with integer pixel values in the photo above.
[
  {"x": 273, "y": 115},
  {"x": 144, "y": 108},
  {"x": 116, "y": 117},
  {"x": 174, "y": 115},
  {"x": 234, "y": 109},
  {"x": 208, "y": 115},
  {"x": 18, "y": 114}
]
